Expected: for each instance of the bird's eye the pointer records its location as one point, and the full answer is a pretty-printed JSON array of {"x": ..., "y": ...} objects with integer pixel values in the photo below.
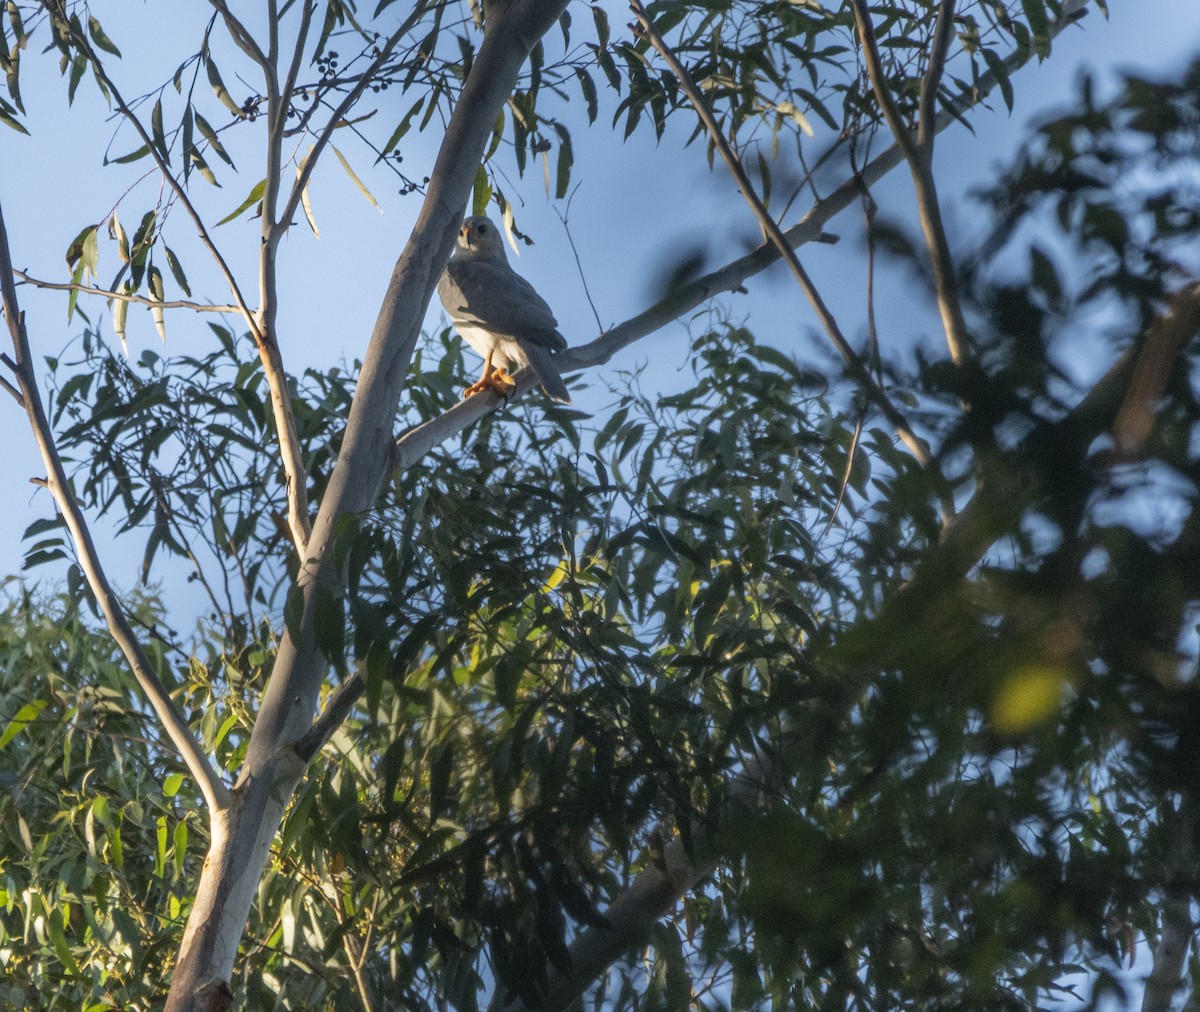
[{"x": 483, "y": 230}]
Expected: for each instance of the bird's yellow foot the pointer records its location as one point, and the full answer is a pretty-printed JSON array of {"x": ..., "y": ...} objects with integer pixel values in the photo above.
[{"x": 496, "y": 380}]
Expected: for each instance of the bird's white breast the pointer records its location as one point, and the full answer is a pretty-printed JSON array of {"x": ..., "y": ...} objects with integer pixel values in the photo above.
[{"x": 508, "y": 352}]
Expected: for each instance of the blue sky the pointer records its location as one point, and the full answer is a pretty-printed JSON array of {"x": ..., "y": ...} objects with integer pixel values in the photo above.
[{"x": 637, "y": 204}]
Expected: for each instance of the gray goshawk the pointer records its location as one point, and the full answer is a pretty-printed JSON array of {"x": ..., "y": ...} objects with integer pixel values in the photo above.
[{"x": 499, "y": 313}]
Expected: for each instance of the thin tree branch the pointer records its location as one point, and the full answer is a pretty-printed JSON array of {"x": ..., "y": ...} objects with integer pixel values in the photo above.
[
  {"x": 919, "y": 155},
  {"x": 214, "y": 791},
  {"x": 268, "y": 350},
  {"x": 66, "y": 286},
  {"x": 338, "y": 707},
  {"x": 343, "y": 107},
  {"x": 267, "y": 317},
  {"x": 289, "y": 84},
  {"x": 939, "y": 49},
  {"x": 854, "y": 363},
  {"x": 12, "y": 390}
]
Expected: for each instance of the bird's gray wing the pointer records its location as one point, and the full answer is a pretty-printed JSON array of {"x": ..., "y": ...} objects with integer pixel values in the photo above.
[{"x": 493, "y": 296}]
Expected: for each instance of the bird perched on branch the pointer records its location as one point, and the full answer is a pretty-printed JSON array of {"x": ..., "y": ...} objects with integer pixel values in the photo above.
[{"x": 499, "y": 313}]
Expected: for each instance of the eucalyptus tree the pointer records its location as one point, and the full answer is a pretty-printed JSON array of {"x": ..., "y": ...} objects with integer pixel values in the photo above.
[{"x": 853, "y": 687}]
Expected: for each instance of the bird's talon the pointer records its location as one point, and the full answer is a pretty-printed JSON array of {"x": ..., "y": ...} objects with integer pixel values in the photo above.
[
  {"x": 502, "y": 383},
  {"x": 496, "y": 380}
]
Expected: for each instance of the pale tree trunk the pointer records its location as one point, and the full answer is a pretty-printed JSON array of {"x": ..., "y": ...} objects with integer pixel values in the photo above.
[{"x": 243, "y": 831}]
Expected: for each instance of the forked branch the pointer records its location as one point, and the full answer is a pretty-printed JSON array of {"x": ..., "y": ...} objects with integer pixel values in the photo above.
[
  {"x": 268, "y": 349},
  {"x": 215, "y": 793},
  {"x": 774, "y": 233},
  {"x": 918, "y": 152}
]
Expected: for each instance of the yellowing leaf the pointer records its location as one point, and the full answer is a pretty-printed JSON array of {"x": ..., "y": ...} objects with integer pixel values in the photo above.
[
  {"x": 556, "y": 577},
  {"x": 353, "y": 178},
  {"x": 304, "y": 199},
  {"x": 255, "y": 196},
  {"x": 1028, "y": 697},
  {"x": 119, "y": 234},
  {"x": 156, "y": 290},
  {"x": 789, "y": 109},
  {"x": 120, "y": 311}
]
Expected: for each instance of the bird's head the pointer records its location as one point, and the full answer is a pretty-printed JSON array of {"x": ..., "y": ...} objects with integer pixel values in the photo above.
[{"x": 479, "y": 237}]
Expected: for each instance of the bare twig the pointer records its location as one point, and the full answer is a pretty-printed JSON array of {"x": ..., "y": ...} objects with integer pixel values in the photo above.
[
  {"x": 67, "y": 286},
  {"x": 289, "y": 84},
  {"x": 215, "y": 793},
  {"x": 12, "y": 390},
  {"x": 344, "y": 106},
  {"x": 918, "y": 152},
  {"x": 575, "y": 253},
  {"x": 854, "y": 363}
]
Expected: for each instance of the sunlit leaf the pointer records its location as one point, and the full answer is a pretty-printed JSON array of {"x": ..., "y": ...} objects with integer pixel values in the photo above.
[
  {"x": 256, "y": 194},
  {"x": 354, "y": 178}
]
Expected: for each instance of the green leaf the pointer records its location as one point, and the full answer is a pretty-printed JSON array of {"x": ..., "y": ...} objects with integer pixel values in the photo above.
[
  {"x": 61, "y": 947},
  {"x": 44, "y": 526},
  {"x": 1039, "y": 24},
  {"x": 177, "y": 271},
  {"x": 602, "y": 29},
  {"x": 214, "y": 78},
  {"x": 202, "y": 167},
  {"x": 1000, "y": 71},
  {"x": 566, "y": 158},
  {"x": 179, "y": 851},
  {"x": 158, "y": 133},
  {"x": 214, "y": 141},
  {"x": 357, "y": 182},
  {"x": 101, "y": 40},
  {"x": 79, "y": 66},
  {"x": 133, "y": 156},
  {"x": 293, "y": 612},
  {"x": 255, "y": 196},
  {"x": 172, "y": 784},
  {"x": 84, "y": 252},
  {"x": 23, "y": 717},
  {"x": 154, "y": 277},
  {"x": 481, "y": 195},
  {"x": 160, "y": 852},
  {"x": 329, "y": 626},
  {"x": 588, "y": 87},
  {"x": 401, "y": 129},
  {"x": 120, "y": 311}
]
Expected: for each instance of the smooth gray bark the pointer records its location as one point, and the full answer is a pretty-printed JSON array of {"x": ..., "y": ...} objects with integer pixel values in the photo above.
[{"x": 242, "y": 836}]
